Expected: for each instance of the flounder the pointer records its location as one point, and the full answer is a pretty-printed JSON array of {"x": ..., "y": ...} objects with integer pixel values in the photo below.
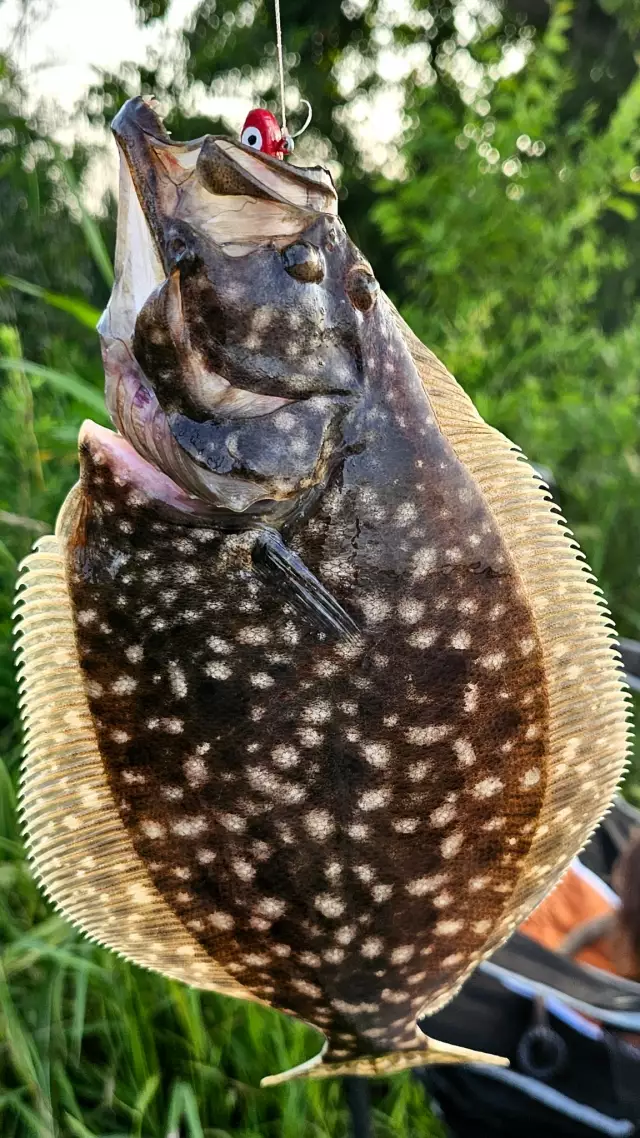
[{"x": 320, "y": 698}]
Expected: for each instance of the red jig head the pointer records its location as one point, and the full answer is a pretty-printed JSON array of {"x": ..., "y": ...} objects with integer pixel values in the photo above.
[{"x": 262, "y": 131}]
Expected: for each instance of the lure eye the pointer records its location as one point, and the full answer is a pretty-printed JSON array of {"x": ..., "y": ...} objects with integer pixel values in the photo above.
[
  {"x": 303, "y": 262},
  {"x": 252, "y": 137},
  {"x": 362, "y": 288}
]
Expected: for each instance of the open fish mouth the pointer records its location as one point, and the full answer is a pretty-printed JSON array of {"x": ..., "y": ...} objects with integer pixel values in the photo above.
[{"x": 221, "y": 343}]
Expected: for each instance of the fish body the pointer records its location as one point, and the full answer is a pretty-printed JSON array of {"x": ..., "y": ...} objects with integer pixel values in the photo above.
[{"x": 320, "y": 700}]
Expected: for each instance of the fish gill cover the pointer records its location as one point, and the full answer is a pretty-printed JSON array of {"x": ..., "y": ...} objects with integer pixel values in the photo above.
[{"x": 320, "y": 699}]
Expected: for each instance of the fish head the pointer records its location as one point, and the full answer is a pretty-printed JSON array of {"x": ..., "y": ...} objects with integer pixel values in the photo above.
[{"x": 233, "y": 340}]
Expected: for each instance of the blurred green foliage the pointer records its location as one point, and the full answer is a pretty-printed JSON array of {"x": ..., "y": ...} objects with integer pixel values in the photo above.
[
  {"x": 509, "y": 237},
  {"x": 505, "y": 266}
]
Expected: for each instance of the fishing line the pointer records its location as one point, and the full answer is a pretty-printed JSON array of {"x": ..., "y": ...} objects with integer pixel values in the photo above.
[
  {"x": 288, "y": 137},
  {"x": 280, "y": 65}
]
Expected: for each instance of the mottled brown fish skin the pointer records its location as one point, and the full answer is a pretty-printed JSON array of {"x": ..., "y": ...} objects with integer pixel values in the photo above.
[{"x": 340, "y": 822}]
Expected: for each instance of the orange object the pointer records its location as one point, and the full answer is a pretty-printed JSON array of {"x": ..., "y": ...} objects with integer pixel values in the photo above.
[{"x": 579, "y": 897}]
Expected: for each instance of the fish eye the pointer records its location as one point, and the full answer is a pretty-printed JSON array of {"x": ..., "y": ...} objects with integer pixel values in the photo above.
[
  {"x": 303, "y": 262},
  {"x": 362, "y": 288},
  {"x": 176, "y": 248},
  {"x": 252, "y": 137}
]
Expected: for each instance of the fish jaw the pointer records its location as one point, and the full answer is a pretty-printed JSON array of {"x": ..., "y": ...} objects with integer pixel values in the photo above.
[
  {"x": 215, "y": 184},
  {"x": 218, "y": 326},
  {"x": 145, "y": 482}
]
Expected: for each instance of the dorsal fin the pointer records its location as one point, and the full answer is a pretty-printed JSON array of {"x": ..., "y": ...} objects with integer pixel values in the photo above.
[{"x": 588, "y": 702}]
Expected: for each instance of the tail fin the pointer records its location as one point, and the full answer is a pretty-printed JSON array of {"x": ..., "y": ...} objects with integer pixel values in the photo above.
[{"x": 368, "y": 1066}]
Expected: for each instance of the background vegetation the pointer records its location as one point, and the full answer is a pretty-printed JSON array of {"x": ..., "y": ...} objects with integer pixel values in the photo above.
[{"x": 502, "y": 218}]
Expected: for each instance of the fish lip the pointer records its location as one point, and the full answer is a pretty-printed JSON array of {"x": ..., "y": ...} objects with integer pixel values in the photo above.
[
  {"x": 162, "y": 187},
  {"x": 168, "y": 500},
  {"x": 140, "y": 113}
]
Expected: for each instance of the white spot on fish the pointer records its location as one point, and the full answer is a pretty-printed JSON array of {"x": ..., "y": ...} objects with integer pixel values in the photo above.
[
  {"x": 452, "y": 958},
  {"x": 358, "y": 831},
  {"x": 443, "y": 900},
  {"x": 216, "y": 670},
  {"x": 461, "y": 639},
  {"x": 402, "y": 954},
  {"x": 329, "y": 905},
  {"x": 381, "y": 893},
  {"x": 423, "y": 562},
  {"x": 423, "y": 736},
  {"x": 319, "y": 824},
  {"x": 449, "y": 846},
  {"x": 261, "y": 680},
  {"x": 223, "y": 921},
  {"x": 219, "y": 646},
  {"x": 334, "y": 956},
  {"x": 196, "y": 771},
  {"x": 423, "y": 885},
  {"x": 309, "y": 737},
  {"x": 406, "y": 825},
  {"x": 448, "y": 927},
  {"x": 243, "y": 869},
  {"x": 233, "y": 822},
  {"x": 378, "y": 754},
  {"x": 464, "y": 752},
  {"x": 364, "y": 872},
  {"x": 374, "y": 799},
  {"x": 254, "y": 635},
  {"x": 318, "y": 712},
  {"x": 487, "y": 787},
  {"x": 190, "y": 827},
  {"x": 418, "y": 771},
  {"x": 371, "y": 947},
  {"x": 284, "y": 755},
  {"x": 153, "y": 830},
  {"x": 411, "y": 611},
  {"x": 443, "y": 814},
  {"x": 374, "y": 607},
  {"x": 177, "y": 680},
  {"x": 423, "y": 638}
]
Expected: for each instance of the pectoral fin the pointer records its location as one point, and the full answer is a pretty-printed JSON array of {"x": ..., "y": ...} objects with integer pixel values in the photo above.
[{"x": 286, "y": 572}]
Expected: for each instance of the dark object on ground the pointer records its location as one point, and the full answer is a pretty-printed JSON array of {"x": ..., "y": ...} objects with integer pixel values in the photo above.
[
  {"x": 570, "y": 1077},
  {"x": 358, "y": 1095}
]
